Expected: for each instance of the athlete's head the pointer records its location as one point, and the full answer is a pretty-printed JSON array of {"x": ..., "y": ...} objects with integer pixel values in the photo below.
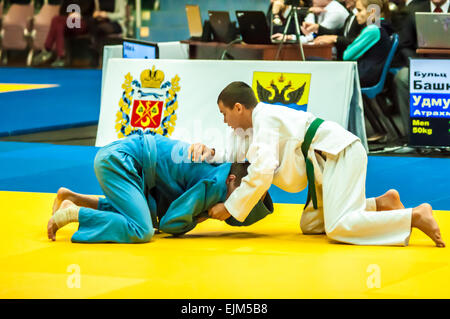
[
  {"x": 237, "y": 172},
  {"x": 236, "y": 103}
]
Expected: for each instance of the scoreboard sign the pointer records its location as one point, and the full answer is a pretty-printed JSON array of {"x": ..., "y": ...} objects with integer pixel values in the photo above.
[{"x": 429, "y": 102}]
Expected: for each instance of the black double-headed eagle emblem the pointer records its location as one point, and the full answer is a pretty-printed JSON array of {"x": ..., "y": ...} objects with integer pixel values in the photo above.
[{"x": 293, "y": 97}]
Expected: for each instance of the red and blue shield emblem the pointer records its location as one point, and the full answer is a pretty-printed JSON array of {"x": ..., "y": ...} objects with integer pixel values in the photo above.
[{"x": 147, "y": 114}]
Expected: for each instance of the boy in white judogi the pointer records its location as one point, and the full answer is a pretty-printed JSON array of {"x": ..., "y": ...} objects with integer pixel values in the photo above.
[{"x": 292, "y": 149}]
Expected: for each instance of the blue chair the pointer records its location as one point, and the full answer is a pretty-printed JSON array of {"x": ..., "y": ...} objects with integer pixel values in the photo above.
[{"x": 375, "y": 115}]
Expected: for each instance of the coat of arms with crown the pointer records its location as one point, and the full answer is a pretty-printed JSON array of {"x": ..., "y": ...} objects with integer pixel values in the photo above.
[{"x": 148, "y": 107}]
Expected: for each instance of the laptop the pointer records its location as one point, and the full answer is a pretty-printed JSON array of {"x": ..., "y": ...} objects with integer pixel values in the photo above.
[
  {"x": 433, "y": 30},
  {"x": 134, "y": 49},
  {"x": 222, "y": 28},
  {"x": 194, "y": 21},
  {"x": 253, "y": 27}
]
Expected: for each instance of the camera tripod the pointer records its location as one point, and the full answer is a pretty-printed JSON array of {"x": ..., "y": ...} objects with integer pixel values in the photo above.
[{"x": 292, "y": 13}]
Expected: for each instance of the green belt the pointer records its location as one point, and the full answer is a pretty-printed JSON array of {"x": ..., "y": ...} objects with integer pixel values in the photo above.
[{"x": 310, "y": 133}]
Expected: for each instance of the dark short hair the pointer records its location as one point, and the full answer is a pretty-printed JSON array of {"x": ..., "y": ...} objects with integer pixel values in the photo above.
[
  {"x": 240, "y": 171},
  {"x": 238, "y": 92}
]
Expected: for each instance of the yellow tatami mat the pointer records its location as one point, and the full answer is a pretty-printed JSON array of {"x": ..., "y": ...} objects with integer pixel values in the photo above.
[{"x": 271, "y": 259}]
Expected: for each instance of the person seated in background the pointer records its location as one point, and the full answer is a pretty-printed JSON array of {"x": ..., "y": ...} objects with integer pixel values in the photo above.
[
  {"x": 108, "y": 18},
  {"x": 327, "y": 13},
  {"x": 149, "y": 182},
  {"x": 341, "y": 37},
  {"x": 278, "y": 13},
  {"x": 69, "y": 23},
  {"x": 399, "y": 12},
  {"x": 278, "y": 7},
  {"x": 371, "y": 48}
]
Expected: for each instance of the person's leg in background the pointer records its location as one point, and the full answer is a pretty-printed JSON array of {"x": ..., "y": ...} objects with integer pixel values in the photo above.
[
  {"x": 401, "y": 86},
  {"x": 99, "y": 31},
  {"x": 53, "y": 41},
  {"x": 68, "y": 32}
]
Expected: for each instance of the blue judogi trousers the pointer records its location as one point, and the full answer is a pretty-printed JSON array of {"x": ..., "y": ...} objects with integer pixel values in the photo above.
[{"x": 124, "y": 215}]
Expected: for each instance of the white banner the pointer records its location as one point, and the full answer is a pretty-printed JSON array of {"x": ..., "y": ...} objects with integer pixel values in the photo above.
[{"x": 178, "y": 98}]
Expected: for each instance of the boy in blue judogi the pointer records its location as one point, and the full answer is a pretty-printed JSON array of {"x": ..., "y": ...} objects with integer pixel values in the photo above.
[{"x": 149, "y": 182}]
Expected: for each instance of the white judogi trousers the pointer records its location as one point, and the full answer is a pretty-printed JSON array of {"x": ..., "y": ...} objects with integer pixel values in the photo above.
[{"x": 343, "y": 211}]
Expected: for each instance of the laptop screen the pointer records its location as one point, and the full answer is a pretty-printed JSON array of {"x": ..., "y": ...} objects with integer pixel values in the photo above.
[
  {"x": 433, "y": 30},
  {"x": 133, "y": 49},
  {"x": 222, "y": 29}
]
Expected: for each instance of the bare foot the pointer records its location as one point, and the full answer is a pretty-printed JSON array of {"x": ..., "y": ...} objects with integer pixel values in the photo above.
[
  {"x": 422, "y": 218},
  {"x": 63, "y": 194},
  {"x": 389, "y": 201},
  {"x": 52, "y": 228}
]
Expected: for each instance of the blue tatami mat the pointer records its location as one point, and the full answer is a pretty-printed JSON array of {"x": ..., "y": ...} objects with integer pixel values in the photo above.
[
  {"x": 35, "y": 167},
  {"x": 32, "y": 167},
  {"x": 75, "y": 101}
]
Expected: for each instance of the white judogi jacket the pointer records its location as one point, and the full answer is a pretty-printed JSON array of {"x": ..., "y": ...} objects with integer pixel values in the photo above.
[{"x": 273, "y": 147}]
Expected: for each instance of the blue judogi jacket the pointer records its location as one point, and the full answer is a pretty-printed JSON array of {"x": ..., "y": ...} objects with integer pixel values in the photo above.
[{"x": 179, "y": 191}]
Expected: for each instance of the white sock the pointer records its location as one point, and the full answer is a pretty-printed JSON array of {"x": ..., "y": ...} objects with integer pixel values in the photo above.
[{"x": 66, "y": 215}]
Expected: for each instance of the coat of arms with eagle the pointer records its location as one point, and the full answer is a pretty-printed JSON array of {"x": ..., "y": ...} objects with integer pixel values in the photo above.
[{"x": 288, "y": 89}]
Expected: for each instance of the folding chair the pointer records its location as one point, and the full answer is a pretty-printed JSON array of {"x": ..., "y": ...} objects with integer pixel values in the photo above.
[{"x": 16, "y": 28}]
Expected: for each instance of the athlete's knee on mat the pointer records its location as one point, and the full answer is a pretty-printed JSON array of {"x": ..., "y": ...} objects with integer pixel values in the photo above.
[
  {"x": 145, "y": 237},
  {"x": 312, "y": 229},
  {"x": 332, "y": 230},
  {"x": 340, "y": 228},
  {"x": 331, "y": 233},
  {"x": 130, "y": 231},
  {"x": 312, "y": 226},
  {"x": 144, "y": 233}
]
